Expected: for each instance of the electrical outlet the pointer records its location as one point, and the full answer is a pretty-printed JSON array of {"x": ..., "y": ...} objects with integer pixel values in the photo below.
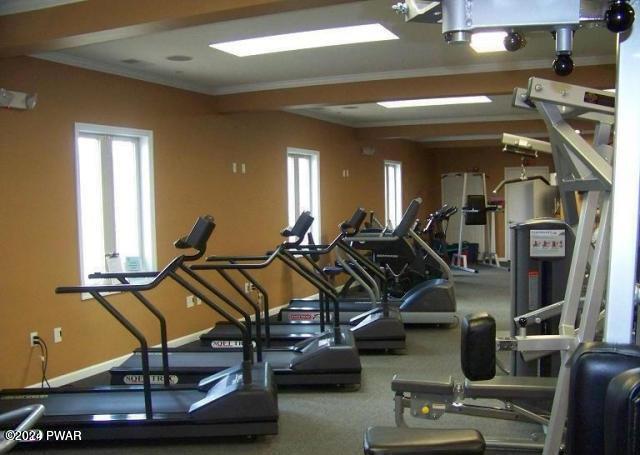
[
  {"x": 198, "y": 301},
  {"x": 57, "y": 335},
  {"x": 191, "y": 301},
  {"x": 32, "y": 338}
]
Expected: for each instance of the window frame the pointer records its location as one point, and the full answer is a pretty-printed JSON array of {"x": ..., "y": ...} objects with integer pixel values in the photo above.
[
  {"x": 397, "y": 166},
  {"x": 146, "y": 188},
  {"x": 314, "y": 161}
]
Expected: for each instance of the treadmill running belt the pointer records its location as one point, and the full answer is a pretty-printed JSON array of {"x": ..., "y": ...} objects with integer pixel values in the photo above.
[{"x": 125, "y": 402}]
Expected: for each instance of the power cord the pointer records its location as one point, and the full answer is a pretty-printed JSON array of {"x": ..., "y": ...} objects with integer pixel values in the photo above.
[{"x": 44, "y": 358}]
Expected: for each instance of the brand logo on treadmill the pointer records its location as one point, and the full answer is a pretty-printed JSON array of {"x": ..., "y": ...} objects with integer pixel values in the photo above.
[
  {"x": 156, "y": 379},
  {"x": 304, "y": 316},
  {"x": 222, "y": 344}
]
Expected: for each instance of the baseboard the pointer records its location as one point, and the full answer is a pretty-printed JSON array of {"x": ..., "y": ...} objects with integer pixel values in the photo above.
[
  {"x": 98, "y": 368},
  {"x": 102, "y": 367}
]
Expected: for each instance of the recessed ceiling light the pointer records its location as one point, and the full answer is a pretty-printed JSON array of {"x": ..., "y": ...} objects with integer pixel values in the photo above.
[
  {"x": 306, "y": 40},
  {"x": 130, "y": 61},
  {"x": 488, "y": 42},
  {"x": 179, "y": 58},
  {"x": 435, "y": 102}
]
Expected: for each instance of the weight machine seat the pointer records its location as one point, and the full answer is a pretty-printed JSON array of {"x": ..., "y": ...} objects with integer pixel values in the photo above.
[
  {"x": 399, "y": 385},
  {"x": 510, "y": 387},
  {"x": 594, "y": 366},
  {"x": 420, "y": 441},
  {"x": 622, "y": 408}
]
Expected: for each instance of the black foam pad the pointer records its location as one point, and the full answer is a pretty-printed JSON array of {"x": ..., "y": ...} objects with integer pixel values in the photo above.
[
  {"x": 408, "y": 219},
  {"x": 301, "y": 226},
  {"x": 422, "y": 441},
  {"x": 478, "y": 347},
  {"x": 622, "y": 411},
  {"x": 593, "y": 367},
  {"x": 199, "y": 235},
  {"x": 352, "y": 226},
  {"x": 478, "y": 214}
]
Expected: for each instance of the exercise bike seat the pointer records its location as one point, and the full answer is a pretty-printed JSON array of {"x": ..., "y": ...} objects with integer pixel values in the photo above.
[{"x": 420, "y": 441}]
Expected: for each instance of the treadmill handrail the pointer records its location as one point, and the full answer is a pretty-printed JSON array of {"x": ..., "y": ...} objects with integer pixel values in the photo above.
[
  {"x": 215, "y": 258},
  {"x": 118, "y": 275},
  {"x": 260, "y": 265},
  {"x": 368, "y": 238},
  {"x": 301, "y": 250},
  {"x": 33, "y": 414},
  {"x": 314, "y": 247},
  {"x": 172, "y": 266}
]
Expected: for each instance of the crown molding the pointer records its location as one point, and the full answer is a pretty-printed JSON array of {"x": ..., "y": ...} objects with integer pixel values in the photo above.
[
  {"x": 119, "y": 70},
  {"x": 404, "y": 74},
  {"x": 440, "y": 121}
]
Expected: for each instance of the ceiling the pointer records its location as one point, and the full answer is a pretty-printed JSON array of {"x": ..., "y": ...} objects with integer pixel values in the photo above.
[
  {"x": 419, "y": 52},
  {"x": 373, "y": 115},
  {"x": 20, "y": 6}
]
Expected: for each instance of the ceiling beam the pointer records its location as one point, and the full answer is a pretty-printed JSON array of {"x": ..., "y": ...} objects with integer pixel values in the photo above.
[
  {"x": 96, "y": 21},
  {"x": 490, "y": 83},
  {"x": 448, "y": 130},
  {"x": 483, "y": 143}
]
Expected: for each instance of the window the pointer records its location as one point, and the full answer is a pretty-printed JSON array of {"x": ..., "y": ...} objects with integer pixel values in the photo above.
[
  {"x": 114, "y": 180},
  {"x": 393, "y": 192},
  {"x": 303, "y": 187}
]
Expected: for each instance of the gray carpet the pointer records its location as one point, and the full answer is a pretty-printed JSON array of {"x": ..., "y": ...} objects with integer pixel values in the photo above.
[{"x": 332, "y": 422}]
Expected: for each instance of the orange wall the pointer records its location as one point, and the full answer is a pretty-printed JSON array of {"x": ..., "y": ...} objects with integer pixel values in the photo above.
[
  {"x": 489, "y": 159},
  {"x": 193, "y": 152}
]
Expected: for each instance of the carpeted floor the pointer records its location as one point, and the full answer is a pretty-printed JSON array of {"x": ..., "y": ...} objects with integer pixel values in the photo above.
[{"x": 332, "y": 422}]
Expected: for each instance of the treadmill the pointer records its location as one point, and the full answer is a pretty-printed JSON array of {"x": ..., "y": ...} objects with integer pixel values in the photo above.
[
  {"x": 328, "y": 358},
  {"x": 376, "y": 327},
  {"x": 429, "y": 302},
  {"x": 237, "y": 401}
]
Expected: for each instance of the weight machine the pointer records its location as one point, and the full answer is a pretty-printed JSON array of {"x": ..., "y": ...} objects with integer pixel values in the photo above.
[
  {"x": 589, "y": 171},
  {"x": 474, "y": 211},
  {"x": 615, "y": 189}
]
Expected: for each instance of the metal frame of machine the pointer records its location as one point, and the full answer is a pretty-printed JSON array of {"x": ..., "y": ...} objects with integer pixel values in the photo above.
[{"x": 582, "y": 167}]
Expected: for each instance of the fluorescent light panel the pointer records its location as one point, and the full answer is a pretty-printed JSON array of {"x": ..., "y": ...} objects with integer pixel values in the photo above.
[
  {"x": 435, "y": 102},
  {"x": 306, "y": 40},
  {"x": 488, "y": 42}
]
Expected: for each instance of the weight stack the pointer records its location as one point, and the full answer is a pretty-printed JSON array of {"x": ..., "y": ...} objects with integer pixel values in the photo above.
[{"x": 541, "y": 251}]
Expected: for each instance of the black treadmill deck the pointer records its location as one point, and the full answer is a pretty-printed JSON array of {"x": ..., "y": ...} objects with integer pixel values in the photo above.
[{"x": 110, "y": 413}]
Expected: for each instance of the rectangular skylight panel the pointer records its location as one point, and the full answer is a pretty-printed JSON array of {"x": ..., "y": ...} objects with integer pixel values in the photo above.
[
  {"x": 435, "y": 102},
  {"x": 306, "y": 40}
]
